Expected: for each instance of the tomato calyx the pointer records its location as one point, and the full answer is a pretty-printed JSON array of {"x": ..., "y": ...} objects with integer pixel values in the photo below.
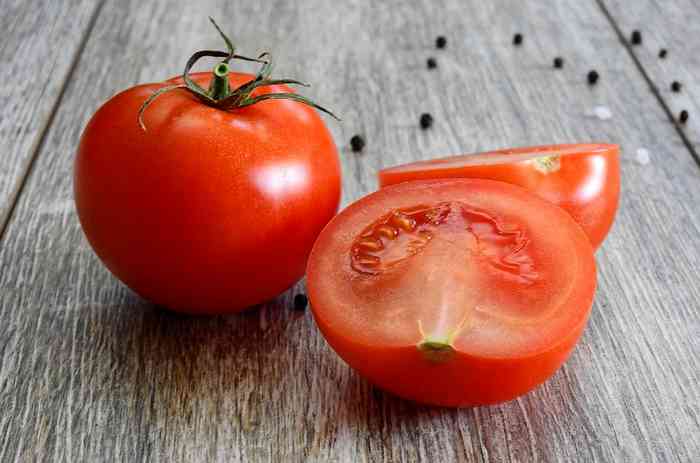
[{"x": 219, "y": 94}]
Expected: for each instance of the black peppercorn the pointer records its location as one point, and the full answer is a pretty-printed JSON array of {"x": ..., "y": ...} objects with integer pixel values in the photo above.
[
  {"x": 518, "y": 39},
  {"x": 683, "y": 117},
  {"x": 662, "y": 53},
  {"x": 593, "y": 77},
  {"x": 676, "y": 86},
  {"x": 426, "y": 121},
  {"x": 558, "y": 62},
  {"x": 636, "y": 38},
  {"x": 300, "y": 302},
  {"x": 431, "y": 63},
  {"x": 357, "y": 143},
  {"x": 440, "y": 42}
]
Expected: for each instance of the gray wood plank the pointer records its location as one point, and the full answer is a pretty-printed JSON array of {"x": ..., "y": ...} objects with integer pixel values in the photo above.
[
  {"x": 39, "y": 44},
  {"x": 89, "y": 372},
  {"x": 672, "y": 26}
]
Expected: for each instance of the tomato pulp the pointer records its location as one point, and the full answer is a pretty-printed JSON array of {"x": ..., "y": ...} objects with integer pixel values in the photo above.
[
  {"x": 207, "y": 211},
  {"x": 452, "y": 292},
  {"x": 583, "y": 179}
]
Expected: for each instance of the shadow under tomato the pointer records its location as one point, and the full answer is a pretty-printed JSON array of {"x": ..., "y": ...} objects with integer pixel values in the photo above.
[
  {"x": 178, "y": 365},
  {"x": 377, "y": 405}
]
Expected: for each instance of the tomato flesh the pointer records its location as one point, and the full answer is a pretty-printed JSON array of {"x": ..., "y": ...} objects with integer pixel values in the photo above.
[
  {"x": 583, "y": 179},
  {"x": 452, "y": 292}
]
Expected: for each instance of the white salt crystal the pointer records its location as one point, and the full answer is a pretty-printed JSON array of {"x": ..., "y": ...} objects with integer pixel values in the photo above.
[
  {"x": 643, "y": 156},
  {"x": 601, "y": 112}
]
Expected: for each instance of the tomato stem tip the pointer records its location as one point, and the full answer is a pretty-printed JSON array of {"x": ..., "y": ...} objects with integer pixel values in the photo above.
[{"x": 219, "y": 87}]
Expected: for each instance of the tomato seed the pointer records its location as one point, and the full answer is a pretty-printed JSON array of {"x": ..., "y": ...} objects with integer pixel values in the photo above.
[
  {"x": 676, "y": 86},
  {"x": 426, "y": 121},
  {"x": 300, "y": 301},
  {"x": 593, "y": 77},
  {"x": 403, "y": 221},
  {"x": 387, "y": 231},
  {"x": 367, "y": 260},
  {"x": 357, "y": 143},
  {"x": 371, "y": 244},
  {"x": 441, "y": 41}
]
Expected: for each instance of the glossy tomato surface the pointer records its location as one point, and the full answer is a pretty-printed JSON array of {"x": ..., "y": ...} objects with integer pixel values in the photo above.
[
  {"x": 583, "y": 179},
  {"x": 208, "y": 211},
  {"x": 452, "y": 292}
]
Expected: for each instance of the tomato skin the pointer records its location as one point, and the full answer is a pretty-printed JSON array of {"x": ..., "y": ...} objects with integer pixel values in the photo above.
[
  {"x": 466, "y": 380},
  {"x": 208, "y": 211},
  {"x": 474, "y": 375},
  {"x": 587, "y": 184}
]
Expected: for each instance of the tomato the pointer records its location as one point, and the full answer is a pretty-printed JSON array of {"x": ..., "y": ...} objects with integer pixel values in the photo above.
[
  {"x": 207, "y": 210},
  {"x": 452, "y": 292},
  {"x": 583, "y": 179}
]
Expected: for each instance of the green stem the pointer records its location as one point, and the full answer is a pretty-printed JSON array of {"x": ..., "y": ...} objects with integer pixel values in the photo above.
[
  {"x": 219, "y": 94},
  {"x": 219, "y": 87}
]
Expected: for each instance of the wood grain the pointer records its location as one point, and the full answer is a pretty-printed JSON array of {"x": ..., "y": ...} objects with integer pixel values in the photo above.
[
  {"x": 89, "y": 372},
  {"x": 39, "y": 45},
  {"x": 674, "y": 27}
]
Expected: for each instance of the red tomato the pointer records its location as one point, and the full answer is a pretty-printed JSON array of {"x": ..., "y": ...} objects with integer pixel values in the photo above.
[
  {"x": 583, "y": 179},
  {"x": 452, "y": 292},
  {"x": 208, "y": 211}
]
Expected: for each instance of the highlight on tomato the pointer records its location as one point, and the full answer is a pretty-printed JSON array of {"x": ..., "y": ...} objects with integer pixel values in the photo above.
[
  {"x": 583, "y": 179},
  {"x": 452, "y": 292},
  {"x": 205, "y": 193}
]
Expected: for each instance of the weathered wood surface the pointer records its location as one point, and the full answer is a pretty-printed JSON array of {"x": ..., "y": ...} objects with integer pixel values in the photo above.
[
  {"x": 39, "y": 42},
  {"x": 89, "y": 372},
  {"x": 675, "y": 27}
]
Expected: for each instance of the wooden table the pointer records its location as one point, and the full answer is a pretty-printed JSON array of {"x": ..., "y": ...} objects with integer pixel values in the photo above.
[{"x": 90, "y": 372}]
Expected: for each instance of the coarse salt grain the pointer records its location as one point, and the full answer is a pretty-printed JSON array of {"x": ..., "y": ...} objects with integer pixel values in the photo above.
[
  {"x": 643, "y": 156},
  {"x": 601, "y": 112}
]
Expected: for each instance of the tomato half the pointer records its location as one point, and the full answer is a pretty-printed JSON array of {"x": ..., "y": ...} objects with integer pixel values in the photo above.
[
  {"x": 452, "y": 292},
  {"x": 583, "y": 179},
  {"x": 208, "y": 211}
]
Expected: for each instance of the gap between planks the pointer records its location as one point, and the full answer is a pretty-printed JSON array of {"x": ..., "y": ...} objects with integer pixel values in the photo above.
[
  {"x": 652, "y": 86},
  {"x": 38, "y": 144}
]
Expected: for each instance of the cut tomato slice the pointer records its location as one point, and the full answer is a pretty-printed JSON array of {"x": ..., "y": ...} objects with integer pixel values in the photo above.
[
  {"x": 452, "y": 292},
  {"x": 583, "y": 179}
]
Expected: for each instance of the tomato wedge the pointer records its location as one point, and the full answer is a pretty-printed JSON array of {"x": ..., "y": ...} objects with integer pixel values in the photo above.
[
  {"x": 452, "y": 292},
  {"x": 583, "y": 179}
]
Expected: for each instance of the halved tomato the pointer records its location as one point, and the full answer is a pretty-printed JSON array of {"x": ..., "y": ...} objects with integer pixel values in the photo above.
[
  {"x": 583, "y": 179},
  {"x": 452, "y": 292}
]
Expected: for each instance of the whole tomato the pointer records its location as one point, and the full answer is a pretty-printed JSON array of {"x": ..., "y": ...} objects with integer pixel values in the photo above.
[{"x": 213, "y": 202}]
